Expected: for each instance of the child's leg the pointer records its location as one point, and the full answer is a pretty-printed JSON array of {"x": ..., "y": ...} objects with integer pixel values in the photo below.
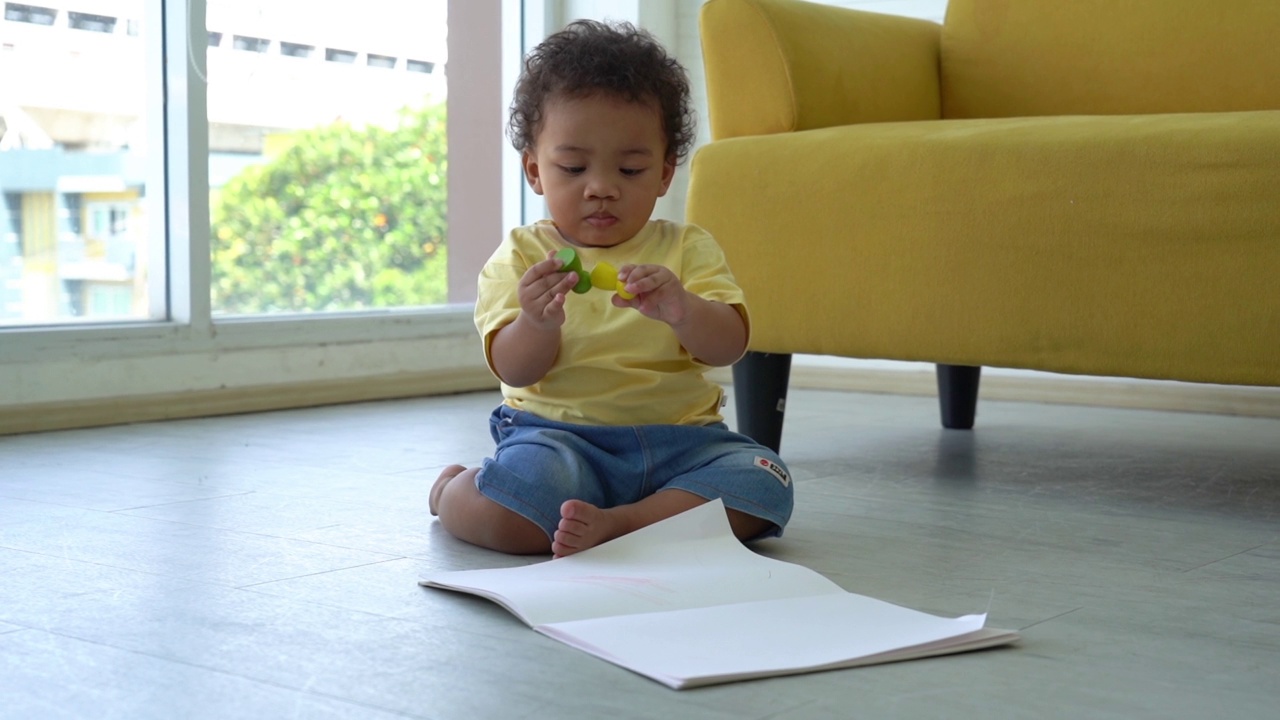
[
  {"x": 583, "y": 525},
  {"x": 472, "y": 517},
  {"x": 700, "y": 463}
]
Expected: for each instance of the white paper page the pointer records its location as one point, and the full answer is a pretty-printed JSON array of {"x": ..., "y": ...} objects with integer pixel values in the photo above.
[
  {"x": 757, "y": 638},
  {"x": 691, "y": 560}
]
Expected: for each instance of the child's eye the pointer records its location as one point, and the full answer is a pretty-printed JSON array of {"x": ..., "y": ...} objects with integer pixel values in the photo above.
[
  {"x": 572, "y": 169},
  {"x": 631, "y": 172}
]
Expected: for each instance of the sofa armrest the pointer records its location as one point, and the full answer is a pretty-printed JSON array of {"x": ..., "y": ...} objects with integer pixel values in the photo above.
[{"x": 782, "y": 65}]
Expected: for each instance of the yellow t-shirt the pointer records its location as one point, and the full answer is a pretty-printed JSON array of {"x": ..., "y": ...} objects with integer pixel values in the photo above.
[{"x": 615, "y": 366}]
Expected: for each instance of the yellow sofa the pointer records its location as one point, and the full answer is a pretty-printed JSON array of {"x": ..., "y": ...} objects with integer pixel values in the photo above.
[{"x": 1087, "y": 187}]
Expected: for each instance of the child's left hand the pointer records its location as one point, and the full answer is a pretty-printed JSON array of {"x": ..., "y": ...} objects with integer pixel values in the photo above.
[{"x": 659, "y": 294}]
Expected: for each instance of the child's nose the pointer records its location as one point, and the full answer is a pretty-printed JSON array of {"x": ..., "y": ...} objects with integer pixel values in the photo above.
[{"x": 601, "y": 188}]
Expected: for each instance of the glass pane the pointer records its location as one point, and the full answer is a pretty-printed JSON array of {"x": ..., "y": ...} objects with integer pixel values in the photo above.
[
  {"x": 74, "y": 245},
  {"x": 327, "y": 155}
]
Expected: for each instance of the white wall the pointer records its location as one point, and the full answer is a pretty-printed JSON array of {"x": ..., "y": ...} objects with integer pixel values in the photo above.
[
  {"x": 926, "y": 9},
  {"x": 476, "y": 107}
]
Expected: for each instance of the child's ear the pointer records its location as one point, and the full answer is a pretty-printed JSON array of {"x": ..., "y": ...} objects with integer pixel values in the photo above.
[
  {"x": 532, "y": 173},
  {"x": 668, "y": 174}
]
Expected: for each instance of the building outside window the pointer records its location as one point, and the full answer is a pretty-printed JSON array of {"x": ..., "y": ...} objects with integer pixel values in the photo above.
[
  {"x": 74, "y": 132},
  {"x": 327, "y": 179}
]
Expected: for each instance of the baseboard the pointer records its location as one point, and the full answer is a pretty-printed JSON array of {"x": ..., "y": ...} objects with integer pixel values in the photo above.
[
  {"x": 1056, "y": 389},
  {"x": 1071, "y": 390},
  {"x": 232, "y": 401}
]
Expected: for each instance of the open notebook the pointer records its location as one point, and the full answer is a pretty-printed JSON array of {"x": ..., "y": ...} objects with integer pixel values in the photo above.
[{"x": 686, "y": 604}]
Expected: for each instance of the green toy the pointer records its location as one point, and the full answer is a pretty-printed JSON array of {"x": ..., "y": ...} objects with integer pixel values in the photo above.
[{"x": 603, "y": 276}]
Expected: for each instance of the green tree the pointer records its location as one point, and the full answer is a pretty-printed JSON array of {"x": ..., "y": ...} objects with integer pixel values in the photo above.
[{"x": 344, "y": 218}]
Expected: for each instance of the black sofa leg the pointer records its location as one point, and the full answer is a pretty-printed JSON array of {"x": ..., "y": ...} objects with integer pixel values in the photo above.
[
  {"x": 760, "y": 396},
  {"x": 958, "y": 395}
]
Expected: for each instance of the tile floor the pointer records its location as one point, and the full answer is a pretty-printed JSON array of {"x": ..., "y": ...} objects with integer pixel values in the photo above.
[{"x": 266, "y": 566}]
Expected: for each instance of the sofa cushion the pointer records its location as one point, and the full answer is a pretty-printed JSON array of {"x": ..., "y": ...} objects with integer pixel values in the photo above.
[
  {"x": 1140, "y": 246},
  {"x": 779, "y": 66},
  {"x": 1008, "y": 58}
]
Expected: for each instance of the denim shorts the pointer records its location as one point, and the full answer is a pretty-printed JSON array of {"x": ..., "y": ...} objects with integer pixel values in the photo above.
[{"x": 539, "y": 464}]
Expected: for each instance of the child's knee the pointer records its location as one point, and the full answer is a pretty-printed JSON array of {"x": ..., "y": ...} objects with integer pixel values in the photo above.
[{"x": 749, "y": 527}]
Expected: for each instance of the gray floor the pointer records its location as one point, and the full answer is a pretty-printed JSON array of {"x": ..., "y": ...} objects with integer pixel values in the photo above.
[{"x": 266, "y": 566}]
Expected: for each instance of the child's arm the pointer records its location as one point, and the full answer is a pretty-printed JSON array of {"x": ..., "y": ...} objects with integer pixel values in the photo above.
[
  {"x": 712, "y": 332},
  {"x": 525, "y": 350}
]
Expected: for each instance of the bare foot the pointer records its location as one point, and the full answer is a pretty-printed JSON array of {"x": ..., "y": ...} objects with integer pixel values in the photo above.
[
  {"x": 449, "y": 473},
  {"x": 583, "y": 525}
]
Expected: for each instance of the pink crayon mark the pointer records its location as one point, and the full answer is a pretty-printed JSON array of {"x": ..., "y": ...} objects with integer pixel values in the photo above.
[{"x": 646, "y": 588}]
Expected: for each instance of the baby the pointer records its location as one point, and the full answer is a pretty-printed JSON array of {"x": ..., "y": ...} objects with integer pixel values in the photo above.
[{"x": 608, "y": 422}]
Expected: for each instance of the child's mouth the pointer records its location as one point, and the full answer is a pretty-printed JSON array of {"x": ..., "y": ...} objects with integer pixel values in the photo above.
[{"x": 601, "y": 220}]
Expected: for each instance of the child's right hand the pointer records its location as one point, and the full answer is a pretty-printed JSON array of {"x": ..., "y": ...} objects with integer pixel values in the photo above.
[{"x": 542, "y": 291}]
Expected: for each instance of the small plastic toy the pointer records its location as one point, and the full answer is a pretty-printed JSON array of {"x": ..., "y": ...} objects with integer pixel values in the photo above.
[{"x": 603, "y": 276}]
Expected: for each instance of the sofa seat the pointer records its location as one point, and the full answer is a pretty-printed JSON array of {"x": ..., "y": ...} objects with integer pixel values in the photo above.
[{"x": 1126, "y": 245}]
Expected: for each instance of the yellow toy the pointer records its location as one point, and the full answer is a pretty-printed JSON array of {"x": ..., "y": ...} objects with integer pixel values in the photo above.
[{"x": 603, "y": 276}]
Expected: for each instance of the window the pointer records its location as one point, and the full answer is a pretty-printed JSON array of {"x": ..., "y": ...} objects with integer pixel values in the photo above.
[
  {"x": 109, "y": 221},
  {"x": 420, "y": 66},
  {"x": 11, "y": 222},
  {"x": 63, "y": 335},
  {"x": 92, "y": 23},
  {"x": 339, "y": 56},
  {"x": 108, "y": 299},
  {"x": 328, "y": 185},
  {"x": 296, "y": 49},
  {"x": 250, "y": 44},
  {"x": 69, "y": 147},
  {"x": 100, "y": 262},
  {"x": 72, "y": 213},
  {"x": 11, "y": 255},
  {"x": 33, "y": 14}
]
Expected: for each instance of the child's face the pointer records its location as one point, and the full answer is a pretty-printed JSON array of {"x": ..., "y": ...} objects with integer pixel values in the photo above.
[{"x": 601, "y": 163}]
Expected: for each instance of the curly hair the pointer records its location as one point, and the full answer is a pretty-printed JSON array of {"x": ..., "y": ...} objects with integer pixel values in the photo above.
[{"x": 589, "y": 57}]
